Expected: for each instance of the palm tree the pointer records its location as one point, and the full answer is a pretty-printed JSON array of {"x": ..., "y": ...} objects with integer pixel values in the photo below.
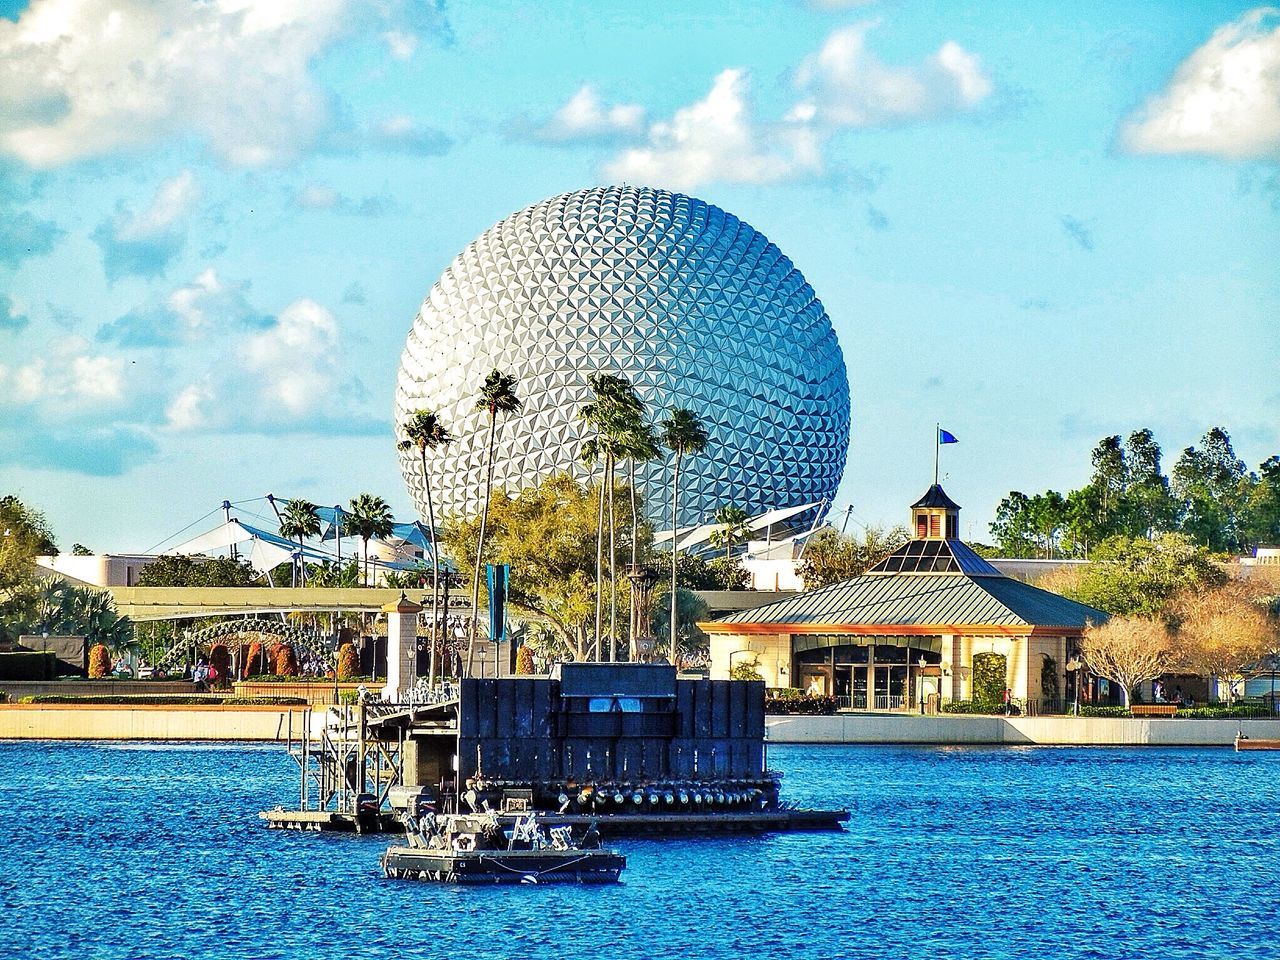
[
  {"x": 733, "y": 527},
  {"x": 615, "y": 414},
  {"x": 683, "y": 435},
  {"x": 425, "y": 431},
  {"x": 639, "y": 445},
  {"x": 497, "y": 396},
  {"x": 368, "y": 516},
  {"x": 299, "y": 520}
]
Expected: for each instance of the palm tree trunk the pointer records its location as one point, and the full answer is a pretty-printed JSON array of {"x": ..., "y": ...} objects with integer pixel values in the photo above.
[
  {"x": 484, "y": 522},
  {"x": 635, "y": 535},
  {"x": 675, "y": 526},
  {"x": 613, "y": 572},
  {"x": 600, "y": 563},
  {"x": 435, "y": 575}
]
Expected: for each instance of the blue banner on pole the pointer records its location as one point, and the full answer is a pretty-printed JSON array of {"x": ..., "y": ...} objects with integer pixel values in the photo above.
[
  {"x": 498, "y": 574},
  {"x": 945, "y": 437}
]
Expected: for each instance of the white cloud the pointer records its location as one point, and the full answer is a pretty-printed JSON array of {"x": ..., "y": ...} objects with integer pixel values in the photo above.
[
  {"x": 297, "y": 360},
  {"x": 188, "y": 409},
  {"x": 171, "y": 204},
  {"x": 143, "y": 244},
  {"x": 401, "y": 45},
  {"x": 65, "y": 378},
  {"x": 83, "y": 78},
  {"x": 718, "y": 139},
  {"x": 585, "y": 117},
  {"x": 404, "y": 135},
  {"x": 844, "y": 84},
  {"x": 1223, "y": 100}
]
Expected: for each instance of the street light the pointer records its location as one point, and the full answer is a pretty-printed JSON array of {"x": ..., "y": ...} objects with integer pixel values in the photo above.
[{"x": 1074, "y": 666}]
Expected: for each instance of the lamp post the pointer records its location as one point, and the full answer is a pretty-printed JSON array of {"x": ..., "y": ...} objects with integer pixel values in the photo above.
[
  {"x": 920, "y": 695},
  {"x": 643, "y": 579},
  {"x": 1074, "y": 666}
]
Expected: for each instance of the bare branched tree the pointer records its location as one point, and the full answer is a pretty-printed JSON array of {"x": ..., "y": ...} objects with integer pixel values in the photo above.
[
  {"x": 1128, "y": 651},
  {"x": 1226, "y": 633}
]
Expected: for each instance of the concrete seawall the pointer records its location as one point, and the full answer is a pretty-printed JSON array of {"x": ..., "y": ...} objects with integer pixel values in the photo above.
[
  {"x": 37, "y": 721},
  {"x": 1058, "y": 731}
]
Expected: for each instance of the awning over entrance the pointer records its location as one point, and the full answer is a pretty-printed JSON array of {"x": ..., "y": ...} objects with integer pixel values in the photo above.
[{"x": 819, "y": 641}]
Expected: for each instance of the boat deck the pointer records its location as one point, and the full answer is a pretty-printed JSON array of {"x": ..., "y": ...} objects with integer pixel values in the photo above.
[{"x": 630, "y": 824}]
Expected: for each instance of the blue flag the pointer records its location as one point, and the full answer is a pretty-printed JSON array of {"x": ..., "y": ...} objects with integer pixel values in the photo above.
[{"x": 945, "y": 437}]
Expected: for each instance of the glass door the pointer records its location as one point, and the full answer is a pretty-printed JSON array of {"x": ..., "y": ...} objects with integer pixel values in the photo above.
[{"x": 860, "y": 688}]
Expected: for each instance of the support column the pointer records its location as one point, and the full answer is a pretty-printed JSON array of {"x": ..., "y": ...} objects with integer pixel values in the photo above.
[
  {"x": 957, "y": 667},
  {"x": 402, "y": 648}
]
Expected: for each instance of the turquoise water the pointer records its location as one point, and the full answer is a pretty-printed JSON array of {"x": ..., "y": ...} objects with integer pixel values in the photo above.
[{"x": 128, "y": 851}]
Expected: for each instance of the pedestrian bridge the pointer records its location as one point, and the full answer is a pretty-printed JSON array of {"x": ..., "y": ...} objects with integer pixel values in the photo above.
[
  {"x": 172, "y": 603},
  {"x": 142, "y": 604}
]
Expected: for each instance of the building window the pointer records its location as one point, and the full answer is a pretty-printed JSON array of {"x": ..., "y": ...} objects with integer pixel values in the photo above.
[
  {"x": 935, "y": 525},
  {"x": 922, "y": 527},
  {"x": 952, "y": 523}
]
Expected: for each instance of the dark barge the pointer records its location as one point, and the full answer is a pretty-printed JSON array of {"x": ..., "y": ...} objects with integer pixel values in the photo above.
[
  {"x": 480, "y": 850},
  {"x": 628, "y": 746}
]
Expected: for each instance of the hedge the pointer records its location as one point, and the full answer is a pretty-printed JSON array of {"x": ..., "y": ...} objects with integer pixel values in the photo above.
[
  {"x": 973, "y": 707},
  {"x": 158, "y": 700},
  {"x": 804, "y": 705}
]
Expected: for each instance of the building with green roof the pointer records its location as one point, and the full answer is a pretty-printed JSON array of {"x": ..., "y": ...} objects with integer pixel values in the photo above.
[{"x": 907, "y": 632}]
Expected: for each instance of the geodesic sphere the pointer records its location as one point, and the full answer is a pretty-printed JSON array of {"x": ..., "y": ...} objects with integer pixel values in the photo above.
[{"x": 691, "y": 304}]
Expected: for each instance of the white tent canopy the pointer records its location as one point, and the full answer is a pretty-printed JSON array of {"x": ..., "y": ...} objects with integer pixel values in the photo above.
[
  {"x": 267, "y": 549},
  {"x": 701, "y": 534}
]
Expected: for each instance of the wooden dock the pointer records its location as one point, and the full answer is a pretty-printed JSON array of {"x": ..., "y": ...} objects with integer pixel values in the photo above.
[{"x": 621, "y": 825}]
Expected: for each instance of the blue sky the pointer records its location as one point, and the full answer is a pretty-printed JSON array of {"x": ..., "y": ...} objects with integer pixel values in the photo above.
[{"x": 1036, "y": 223}]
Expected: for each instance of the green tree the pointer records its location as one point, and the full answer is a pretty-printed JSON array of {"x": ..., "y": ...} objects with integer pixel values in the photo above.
[
  {"x": 1212, "y": 485},
  {"x": 179, "y": 570},
  {"x": 92, "y": 614},
  {"x": 690, "y": 610},
  {"x": 1150, "y": 507},
  {"x": 368, "y": 517},
  {"x": 615, "y": 415},
  {"x": 1262, "y": 507},
  {"x": 497, "y": 396},
  {"x": 424, "y": 431},
  {"x": 548, "y": 536},
  {"x": 80, "y": 550},
  {"x": 734, "y": 528},
  {"x": 832, "y": 557},
  {"x": 24, "y": 535},
  {"x": 1137, "y": 577},
  {"x": 684, "y": 435},
  {"x": 1013, "y": 527},
  {"x": 299, "y": 520}
]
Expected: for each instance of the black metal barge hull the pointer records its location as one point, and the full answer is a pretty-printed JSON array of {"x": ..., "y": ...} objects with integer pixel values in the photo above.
[{"x": 503, "y": 866}]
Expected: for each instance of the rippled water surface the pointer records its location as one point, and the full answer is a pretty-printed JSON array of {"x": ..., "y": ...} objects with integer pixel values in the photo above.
[{"x": 128, "y": 851}]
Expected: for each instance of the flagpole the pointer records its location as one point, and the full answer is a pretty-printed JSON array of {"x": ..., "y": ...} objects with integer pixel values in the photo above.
[{"x": 937, "y": 445}]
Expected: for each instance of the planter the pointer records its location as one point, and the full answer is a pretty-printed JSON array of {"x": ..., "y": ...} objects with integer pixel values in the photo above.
[{"x": 316, "y": 693}]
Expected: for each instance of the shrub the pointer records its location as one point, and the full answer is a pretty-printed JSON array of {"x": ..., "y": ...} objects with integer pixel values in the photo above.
[
  {"x": 99, "y": 662},
  {"x": 990, "y": 676},
  {"x": 283, "y": 660},
  {"x": 804, "y": 705},
  {"x": 1238, "y": 712},
  {"x": 524, "y": 662},
  {"x": 1087, "y": 711},
  {"x": 220, "y": 667},
  {"x": 746, "y": 671},
  {"x": 252, "y": 658},
  {"x": 978, "y": 707},
  {"x": 348, "y": 662}
]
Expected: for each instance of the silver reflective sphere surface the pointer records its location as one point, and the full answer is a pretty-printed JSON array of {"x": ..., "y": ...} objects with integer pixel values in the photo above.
[{"x": 691, "y": 304}]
